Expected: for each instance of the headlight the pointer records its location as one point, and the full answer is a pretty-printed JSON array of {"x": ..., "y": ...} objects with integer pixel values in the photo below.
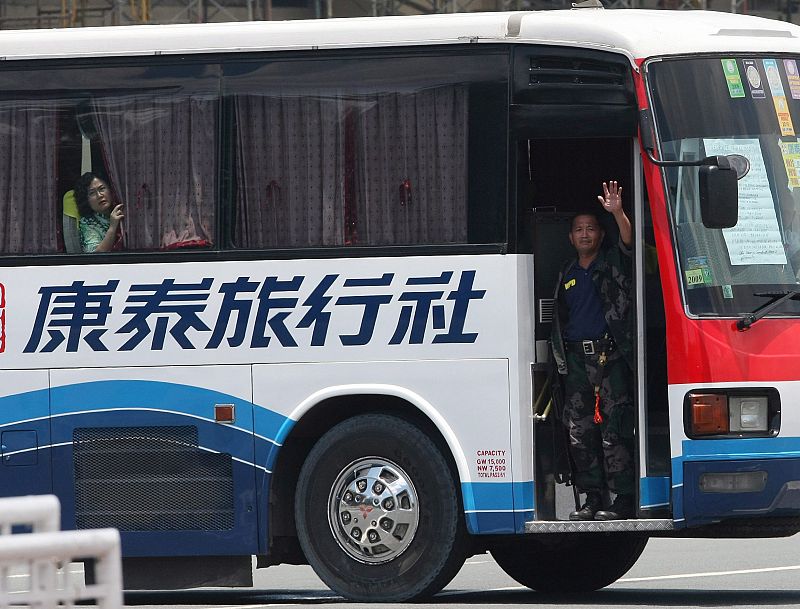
[
  {"x": 735, "y": 412},
  {"x": 748, "y": 413}
]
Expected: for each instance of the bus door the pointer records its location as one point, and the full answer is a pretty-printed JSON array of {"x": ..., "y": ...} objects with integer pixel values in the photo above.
[
  {"x": 653, "y": 441},
  {"x": 25, "y": 445},
  {"x": 553, "y": 192},
  {"x": 548, "y": 226},
  {"x": 164, "y": 454}
]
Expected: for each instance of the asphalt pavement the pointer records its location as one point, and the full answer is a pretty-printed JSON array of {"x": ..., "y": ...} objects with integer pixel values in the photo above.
[{"x": 673, "y": 573}]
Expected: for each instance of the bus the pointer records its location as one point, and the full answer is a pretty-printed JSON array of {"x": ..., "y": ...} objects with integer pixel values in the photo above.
[{"x": 321, "y": 334}]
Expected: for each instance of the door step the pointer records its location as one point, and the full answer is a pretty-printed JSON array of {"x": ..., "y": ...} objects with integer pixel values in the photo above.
[{"x": 599, "y": 526}]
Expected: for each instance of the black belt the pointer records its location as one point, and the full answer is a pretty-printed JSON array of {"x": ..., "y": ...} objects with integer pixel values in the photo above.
[{"x": 591, "y": 347}]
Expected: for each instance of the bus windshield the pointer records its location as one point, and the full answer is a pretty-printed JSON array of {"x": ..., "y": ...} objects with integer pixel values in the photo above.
[{"x": 733, "y": 105}]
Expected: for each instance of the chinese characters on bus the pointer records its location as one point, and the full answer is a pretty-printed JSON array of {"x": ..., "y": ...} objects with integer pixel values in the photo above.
[{"x": 256, "y": 313}]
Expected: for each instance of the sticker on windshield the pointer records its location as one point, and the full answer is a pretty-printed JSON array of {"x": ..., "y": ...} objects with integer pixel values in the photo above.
[
  {"x": 778, "y": 96},
  {"x": 694, "y": 278},
  {"x": 735, "y": 86},
  {"x": 698, "y": 271},
  {"x": 754, "y": 79},
  {"x": 727, "y": 291},
  {"x": 790, "y": 151},
  {"x": 793, "y": 76},
  {"x": 756, "y": 238}
]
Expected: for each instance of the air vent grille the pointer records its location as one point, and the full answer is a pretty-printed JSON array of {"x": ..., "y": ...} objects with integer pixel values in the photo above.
[
  {"x": 572, "y": 72},
  {"x": 150, "y": 479},
  {"x": 574, "y": 80},
  {"x": 546, "y": 306}
]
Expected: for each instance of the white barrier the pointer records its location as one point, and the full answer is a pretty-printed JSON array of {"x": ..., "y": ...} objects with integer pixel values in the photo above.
[
  {"x": 40, "y": 512},
  {"x": 39, "y": 558}
]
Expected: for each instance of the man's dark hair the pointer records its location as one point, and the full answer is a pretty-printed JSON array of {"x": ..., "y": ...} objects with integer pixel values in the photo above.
[{"x": 587, "y": 212}]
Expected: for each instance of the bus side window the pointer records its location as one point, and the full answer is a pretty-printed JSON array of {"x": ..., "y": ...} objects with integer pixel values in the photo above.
[
  {"x": 161, "y": 152},
  {"x": 377, "y": 153}
]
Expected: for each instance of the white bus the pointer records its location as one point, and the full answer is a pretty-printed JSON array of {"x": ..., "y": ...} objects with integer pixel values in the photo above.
[{"x": 322, "y": 326}]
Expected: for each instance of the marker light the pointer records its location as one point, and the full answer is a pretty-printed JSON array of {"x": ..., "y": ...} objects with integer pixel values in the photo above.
[
  {"x": 748, "y": 413},
  {"x": 709, "y": 413}
]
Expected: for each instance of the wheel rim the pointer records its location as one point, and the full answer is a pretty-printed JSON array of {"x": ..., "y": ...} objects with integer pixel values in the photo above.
[{"x": 373, "y": 510}]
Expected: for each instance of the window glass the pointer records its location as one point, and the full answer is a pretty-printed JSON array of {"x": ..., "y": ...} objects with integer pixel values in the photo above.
[
  {"x": 372, "y": 151},
  {"x": 149, "y": 133},
  {"x": 750, "y": 109}
]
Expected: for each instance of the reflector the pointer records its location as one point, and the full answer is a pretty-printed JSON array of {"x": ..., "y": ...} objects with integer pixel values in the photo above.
[{"x": 736, "y": 482}]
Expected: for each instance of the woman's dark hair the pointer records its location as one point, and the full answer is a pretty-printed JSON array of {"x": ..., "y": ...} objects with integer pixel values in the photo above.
[{"x": 82, "y": 191}]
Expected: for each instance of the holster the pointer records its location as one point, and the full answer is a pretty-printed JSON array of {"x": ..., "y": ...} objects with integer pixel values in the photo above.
[{"x": 562, "y": 467}]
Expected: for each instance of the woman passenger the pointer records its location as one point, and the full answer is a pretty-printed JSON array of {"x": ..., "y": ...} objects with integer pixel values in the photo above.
[{"x": 100, "y": 216}]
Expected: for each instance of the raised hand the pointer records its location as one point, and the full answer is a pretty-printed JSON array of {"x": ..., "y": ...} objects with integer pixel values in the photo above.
[
  {"x": 612, "y": 197},
  {"x": 117, "y": 214}
]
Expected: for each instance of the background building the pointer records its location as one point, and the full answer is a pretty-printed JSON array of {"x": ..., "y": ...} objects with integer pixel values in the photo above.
[{"x": 21, "y": 14}]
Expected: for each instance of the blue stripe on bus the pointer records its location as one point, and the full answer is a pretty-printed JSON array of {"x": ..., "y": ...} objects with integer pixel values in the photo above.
[
  {"x": 487, "y": 523},
  {"x": 110, "y": 403},
  {"x": 28, "y": 405},
  {"x": 741, "y": 448},
  {"x": 654, "y": 491},
  {"x": 97, "y": 395},
  {"x": 497, "y": 507},
  {"x": 181, "y": 399}
]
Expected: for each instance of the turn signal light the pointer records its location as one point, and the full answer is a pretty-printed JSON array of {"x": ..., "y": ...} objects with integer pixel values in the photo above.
[{"x": 709, "y": 413}]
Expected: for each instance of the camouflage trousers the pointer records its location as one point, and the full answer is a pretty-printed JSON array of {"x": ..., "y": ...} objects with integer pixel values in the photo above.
[{"x": 602, "y": 454}]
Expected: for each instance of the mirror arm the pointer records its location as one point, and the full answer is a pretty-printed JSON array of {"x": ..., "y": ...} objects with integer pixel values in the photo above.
[
  {"x": 648, "y": 145},
  {"x": 711, "y": 160},
  {"x": 655, "y": 161}
]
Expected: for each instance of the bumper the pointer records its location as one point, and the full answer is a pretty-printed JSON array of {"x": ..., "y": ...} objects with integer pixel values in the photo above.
[{"x": 780, "y": 495}]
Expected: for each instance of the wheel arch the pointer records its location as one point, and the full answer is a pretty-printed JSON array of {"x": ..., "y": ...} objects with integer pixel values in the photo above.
[{"x": 317, "y": 414}]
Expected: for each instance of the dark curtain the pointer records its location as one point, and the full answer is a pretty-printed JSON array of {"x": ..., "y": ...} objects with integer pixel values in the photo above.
[
  {"x": 162, "y": 158},
  {"x": 29, "y": 204}
]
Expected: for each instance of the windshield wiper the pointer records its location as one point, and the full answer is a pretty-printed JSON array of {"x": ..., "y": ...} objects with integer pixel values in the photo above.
[{"x": 777, "y": 299}]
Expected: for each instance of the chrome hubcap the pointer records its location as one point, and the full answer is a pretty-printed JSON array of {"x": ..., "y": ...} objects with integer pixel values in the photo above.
[{"x": 373, "y": 510}]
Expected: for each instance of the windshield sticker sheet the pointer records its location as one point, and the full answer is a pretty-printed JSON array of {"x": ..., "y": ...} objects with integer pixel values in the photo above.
[
  {"x": 778, "y": 97},
  {"x": 791, "y": 160},
  {"x": 732, "y": 77},
  {"x": 698, "y": 271},
  {"x": 793, "y": 77},
  {"x": 754, "y": 79},
  {"x": 756, "y": 238}
]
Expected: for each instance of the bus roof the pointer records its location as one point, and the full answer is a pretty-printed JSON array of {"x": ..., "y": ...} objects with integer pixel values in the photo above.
[{"x": 636, "y": 33}]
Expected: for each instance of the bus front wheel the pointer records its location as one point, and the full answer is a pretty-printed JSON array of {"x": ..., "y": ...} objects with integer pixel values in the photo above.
[
  {"x": 377, "y": 511},
  {"x": 574, "y": 562}
]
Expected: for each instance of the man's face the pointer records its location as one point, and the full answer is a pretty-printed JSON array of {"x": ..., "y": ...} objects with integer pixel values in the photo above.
[{"x": 586, "y": 235}]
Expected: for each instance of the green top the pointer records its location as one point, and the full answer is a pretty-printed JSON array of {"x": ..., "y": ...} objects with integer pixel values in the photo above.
[{"x": 93, "y": 230}]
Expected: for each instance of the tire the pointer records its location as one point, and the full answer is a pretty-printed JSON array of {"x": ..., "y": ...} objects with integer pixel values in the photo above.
[
  {"x": 576, "y": 562},
  {"x": 377, "y": 511}
]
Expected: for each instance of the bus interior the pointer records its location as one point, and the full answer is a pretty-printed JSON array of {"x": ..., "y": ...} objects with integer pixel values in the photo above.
[{"x": 556, "y": 178}]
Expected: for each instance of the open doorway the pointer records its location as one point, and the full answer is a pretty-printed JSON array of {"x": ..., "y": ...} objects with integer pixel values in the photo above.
[{"x": 555, "y": 179}]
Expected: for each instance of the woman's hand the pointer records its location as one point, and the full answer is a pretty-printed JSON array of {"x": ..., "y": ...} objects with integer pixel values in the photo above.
[{"x": 117, "y": 215}]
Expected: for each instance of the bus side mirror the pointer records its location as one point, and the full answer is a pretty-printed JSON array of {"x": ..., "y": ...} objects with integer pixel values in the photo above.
[{"x": 719, "y": 193}]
